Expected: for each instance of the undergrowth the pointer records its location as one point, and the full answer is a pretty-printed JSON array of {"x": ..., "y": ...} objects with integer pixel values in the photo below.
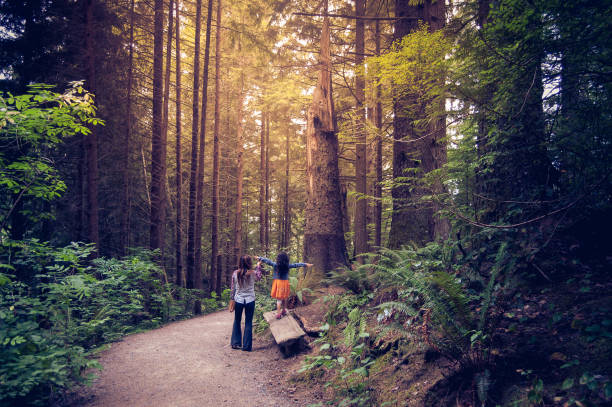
[
  {"x": 57, "y": 309},
  {"x": 427, "y": 300}
]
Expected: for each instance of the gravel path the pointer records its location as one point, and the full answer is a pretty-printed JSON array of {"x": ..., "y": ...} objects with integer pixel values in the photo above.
[{"x": 190, "y": 363}]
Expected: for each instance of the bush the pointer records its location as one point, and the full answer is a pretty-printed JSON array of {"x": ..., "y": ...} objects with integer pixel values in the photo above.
[{"x": 54, "y": 320}]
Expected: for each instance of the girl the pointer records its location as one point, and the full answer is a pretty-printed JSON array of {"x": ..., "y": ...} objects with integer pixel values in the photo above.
[
  {"x": 280, "y": 285},
  {"x": 243, "y": 293}
]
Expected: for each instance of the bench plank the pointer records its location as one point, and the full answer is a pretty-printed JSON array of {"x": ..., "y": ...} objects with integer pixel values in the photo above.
[{"x": 284, "y": 330}]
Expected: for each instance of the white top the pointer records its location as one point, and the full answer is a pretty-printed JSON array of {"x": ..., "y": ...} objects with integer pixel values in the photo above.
[{"x": 244, "y": 293}]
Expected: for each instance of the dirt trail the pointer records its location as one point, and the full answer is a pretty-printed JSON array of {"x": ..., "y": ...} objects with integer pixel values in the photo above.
[{"x": 190, "y": 363}]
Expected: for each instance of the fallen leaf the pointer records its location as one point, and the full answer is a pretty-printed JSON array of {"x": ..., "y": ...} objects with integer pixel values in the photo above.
[{"x": 558, "y": 356}]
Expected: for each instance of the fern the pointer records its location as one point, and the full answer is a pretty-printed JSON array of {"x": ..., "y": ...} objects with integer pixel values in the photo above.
[
  {"x": 487, "y": 295},
  {"x": 455, "y": 295},
  {"x": 398, "y": 306}
]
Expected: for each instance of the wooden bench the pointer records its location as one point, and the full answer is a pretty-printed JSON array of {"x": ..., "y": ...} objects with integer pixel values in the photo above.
[{"x": 286, "y": 331}]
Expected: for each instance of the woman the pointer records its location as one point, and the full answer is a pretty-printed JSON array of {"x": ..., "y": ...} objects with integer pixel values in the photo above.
[
  {"x": 243, "y": 293},
  {"x": 280, "y": 285}
]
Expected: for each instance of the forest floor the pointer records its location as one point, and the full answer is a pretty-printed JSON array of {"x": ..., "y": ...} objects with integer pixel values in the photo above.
[{"x": 191, "y": 363}]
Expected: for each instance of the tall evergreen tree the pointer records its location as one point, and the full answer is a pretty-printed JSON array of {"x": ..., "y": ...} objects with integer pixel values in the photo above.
[
  {"x": 200, "y": 177},
  {"x": 360, "y": 218},
  {"x": 158, "y": 150},
  {"x": 215, "y": 271},
  {"x": 417, "y": 149},
  {"x": 193, "y": 172},
  {"x": 324, "y": 244},
  {"x": 180, "y": 280},
  {"x": 91, "y": 140}
]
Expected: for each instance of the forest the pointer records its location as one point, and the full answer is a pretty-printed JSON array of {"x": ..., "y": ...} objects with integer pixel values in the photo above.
[{"x": 445, "y": 165}]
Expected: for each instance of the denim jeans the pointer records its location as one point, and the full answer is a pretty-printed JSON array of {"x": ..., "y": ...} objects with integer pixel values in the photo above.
[{"x": 237, "y": 339}]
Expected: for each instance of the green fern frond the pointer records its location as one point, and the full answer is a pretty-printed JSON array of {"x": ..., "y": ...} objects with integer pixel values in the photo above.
[
  {"x": 398, "y": 306},
  {"x": 363, "y": 325},
  {"x": 455, "y": 294},
  {"x": 349, "y": 335}
]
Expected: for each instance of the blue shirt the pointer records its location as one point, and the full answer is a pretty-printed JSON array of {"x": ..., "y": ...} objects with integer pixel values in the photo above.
[{"x": 281, "y": 275}]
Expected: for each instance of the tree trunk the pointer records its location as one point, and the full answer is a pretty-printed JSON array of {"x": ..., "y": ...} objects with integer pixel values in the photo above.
[
  {"x": 412, "y": 220},
  {"x": 166, "y": 103},
  {"x": 215, "y": 272},
  {"x": 81, "y": 193},
  {"x": 200, "y": 184},
  {"x": 193, "y": 172},
  {"x": 158, "y": 158},
  {"x": 378, "y": 152},
  {"x": 91, "y": 141},
  {"x": 239, "y": 175},
  {"x": 286, "y": 214},
  {"x": 360, "y": 220},
  {"x": 324, "y": 244},
  {"x": 267, "y": 185},
  {"x": 165, "y": 118},
  {"x": 126, "y": 205},
  {"x": 262, "y": 185},
  {"x": 180, "y": 281}
]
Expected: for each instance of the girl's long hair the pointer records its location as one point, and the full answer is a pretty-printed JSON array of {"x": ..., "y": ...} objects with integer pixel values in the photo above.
[
  {"x": 244, "y": 265},
  {"x": 282, "y": 262}
]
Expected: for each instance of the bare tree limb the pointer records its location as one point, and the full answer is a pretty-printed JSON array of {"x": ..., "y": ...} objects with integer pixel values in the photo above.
[{"x": 354, "y": 17}]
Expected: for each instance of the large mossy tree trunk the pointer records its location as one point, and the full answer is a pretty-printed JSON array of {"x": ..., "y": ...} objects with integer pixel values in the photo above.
[
  {"x": 324, "y": 244},
  {"x": 417, "y": 149}
]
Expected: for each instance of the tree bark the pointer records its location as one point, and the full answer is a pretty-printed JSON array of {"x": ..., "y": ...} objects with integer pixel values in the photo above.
[
  {"x": 378, "y": 152},
  {"x": 166, "y": 103},
  {"x": 193, "y": 172},
  {"x": 239, "y": 175},
  {"x": 413, "y": 221},
  {"x": 360, "y": 220},
  {"x": 324, "y": 244},
  {"x": 126, "y": 205},
  {"x": 180, "y": 281},
  {"x": 262, "y": 185},
  {"x": 267, "y": 185},
  {"x": 215, "y": 272},
  {"x": 165, "y": 120},
  {"x": 158, "y": 158},
  {"x": 91, "y": 141},
  {"x": 286, "y": 214},
  {"x": 200, "y": 184}
]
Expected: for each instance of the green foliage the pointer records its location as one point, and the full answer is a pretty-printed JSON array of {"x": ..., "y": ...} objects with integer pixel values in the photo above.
[
  {"x": 454, "y": 295},
  {"x": 351, "y": 385},
  {"x": 264, "y": 303},
  {"x": 50, "y": 326},
  {"x": 297, "y": 292},
  {"x": 415, "y": 66},
  {"x": 32, "y": 127},
  {"x": 356, "y": 278}
]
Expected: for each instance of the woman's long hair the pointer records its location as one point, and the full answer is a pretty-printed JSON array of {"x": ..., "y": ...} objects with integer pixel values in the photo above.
[
  {"x": 244, "y": 265},
  {"x": 282, "y": 262}
]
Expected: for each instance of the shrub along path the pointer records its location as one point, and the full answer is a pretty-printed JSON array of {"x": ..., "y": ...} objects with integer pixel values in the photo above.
[{"x": 190, "y": 363}]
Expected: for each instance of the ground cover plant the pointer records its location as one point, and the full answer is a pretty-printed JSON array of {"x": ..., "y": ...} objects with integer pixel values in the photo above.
[{"x": 54, "y": 321}]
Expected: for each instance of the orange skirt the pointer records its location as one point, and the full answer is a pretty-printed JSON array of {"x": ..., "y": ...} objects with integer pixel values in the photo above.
[{"x": 280, "y": 289}]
